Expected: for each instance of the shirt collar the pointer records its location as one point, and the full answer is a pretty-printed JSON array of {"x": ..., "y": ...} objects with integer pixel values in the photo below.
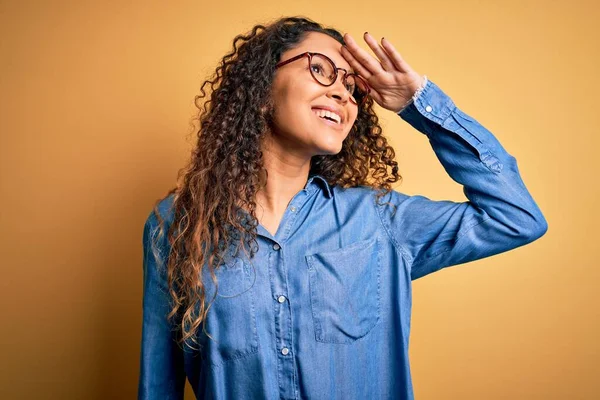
[{"x": 320, "y": 181}]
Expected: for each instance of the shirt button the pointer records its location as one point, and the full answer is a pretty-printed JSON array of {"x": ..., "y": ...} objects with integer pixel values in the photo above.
[
  {"x": 293, "y": 209},
  {"x": 276, "y": 246},
  {"x": 281, "y": 299},
  {"x": 428, "y": 108},
  {"x": 285, "y": 351}
]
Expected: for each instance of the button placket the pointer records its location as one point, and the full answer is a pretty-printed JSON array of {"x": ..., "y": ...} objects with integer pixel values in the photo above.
[{"x": 282, "y": 322}]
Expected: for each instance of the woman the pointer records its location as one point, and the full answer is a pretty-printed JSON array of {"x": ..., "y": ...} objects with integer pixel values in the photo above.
[{"x": 289, "y": 259}]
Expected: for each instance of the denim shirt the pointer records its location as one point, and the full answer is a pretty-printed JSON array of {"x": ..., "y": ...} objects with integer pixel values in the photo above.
[{"x": 323, "y": 310}]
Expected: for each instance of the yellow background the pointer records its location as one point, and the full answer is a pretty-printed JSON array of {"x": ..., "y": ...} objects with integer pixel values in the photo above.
[{"x": 96, "y": 103}]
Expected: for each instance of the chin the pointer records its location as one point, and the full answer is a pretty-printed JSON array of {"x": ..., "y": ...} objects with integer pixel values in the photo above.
[
  {"x": 328, "y": 142},
  {"x": 330, "y": 150}
]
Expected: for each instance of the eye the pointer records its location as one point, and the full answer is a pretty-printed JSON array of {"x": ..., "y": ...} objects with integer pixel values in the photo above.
[{"x": 318, "y": 67}]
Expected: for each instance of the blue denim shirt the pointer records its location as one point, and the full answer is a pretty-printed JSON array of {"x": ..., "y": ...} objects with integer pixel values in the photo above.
[{"x": 323, "y": 310}]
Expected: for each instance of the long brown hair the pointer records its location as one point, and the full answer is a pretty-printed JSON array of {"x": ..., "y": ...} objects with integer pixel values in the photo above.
[{"x": 222, "y": 175}]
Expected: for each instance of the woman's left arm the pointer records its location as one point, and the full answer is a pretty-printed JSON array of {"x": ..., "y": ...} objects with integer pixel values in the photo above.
[{"x": 500, "y": 214}]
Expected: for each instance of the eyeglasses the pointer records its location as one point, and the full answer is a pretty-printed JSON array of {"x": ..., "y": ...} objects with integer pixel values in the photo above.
[{"x": 324, "y": 71}]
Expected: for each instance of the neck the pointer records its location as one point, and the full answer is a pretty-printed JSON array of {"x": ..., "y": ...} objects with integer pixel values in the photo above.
[{"x": 287, "y": 174}]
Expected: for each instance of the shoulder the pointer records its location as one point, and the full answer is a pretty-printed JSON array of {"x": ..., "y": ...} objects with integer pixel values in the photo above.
[
  {"x": 354, "y": 192},
  {"x": 152, "y": 225},
  {"x": 165, "y": 210},
  {"x": 374, "y": 199},
  {"x": 362, "y": 193}
]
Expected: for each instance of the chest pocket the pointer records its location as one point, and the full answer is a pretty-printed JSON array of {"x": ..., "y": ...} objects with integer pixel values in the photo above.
[
  {"x": 231, "y": 319},
  {"x": 345, "y": 291}
]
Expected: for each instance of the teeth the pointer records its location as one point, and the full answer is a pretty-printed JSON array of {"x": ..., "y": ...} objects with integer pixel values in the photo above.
[{"x": 329, "y": 114}]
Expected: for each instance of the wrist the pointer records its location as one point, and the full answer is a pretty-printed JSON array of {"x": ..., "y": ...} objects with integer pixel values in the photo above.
[{"x": 417, "y": 89}]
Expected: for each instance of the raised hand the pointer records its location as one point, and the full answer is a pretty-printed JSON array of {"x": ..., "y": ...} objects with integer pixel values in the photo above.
[{"x": 393, "y": 82}]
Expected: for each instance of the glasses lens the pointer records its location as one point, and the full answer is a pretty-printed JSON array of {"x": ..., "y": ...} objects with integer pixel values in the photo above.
[{"x": 322, "y": 69}]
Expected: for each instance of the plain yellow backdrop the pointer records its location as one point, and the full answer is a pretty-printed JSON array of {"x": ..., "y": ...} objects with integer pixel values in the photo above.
[{"x": 96, "y": 100}]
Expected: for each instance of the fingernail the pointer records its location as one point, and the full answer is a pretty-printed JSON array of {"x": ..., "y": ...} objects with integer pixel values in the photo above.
[{"x": 366, "y": 33}]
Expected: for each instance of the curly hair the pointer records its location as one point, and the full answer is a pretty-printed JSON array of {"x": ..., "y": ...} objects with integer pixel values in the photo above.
[{"x": 221, "y": 179}]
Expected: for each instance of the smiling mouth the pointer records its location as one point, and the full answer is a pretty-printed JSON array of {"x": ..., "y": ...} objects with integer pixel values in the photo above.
[
  {"x": 328, "y": 118},
  {"x": 329, "y": 122}
]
